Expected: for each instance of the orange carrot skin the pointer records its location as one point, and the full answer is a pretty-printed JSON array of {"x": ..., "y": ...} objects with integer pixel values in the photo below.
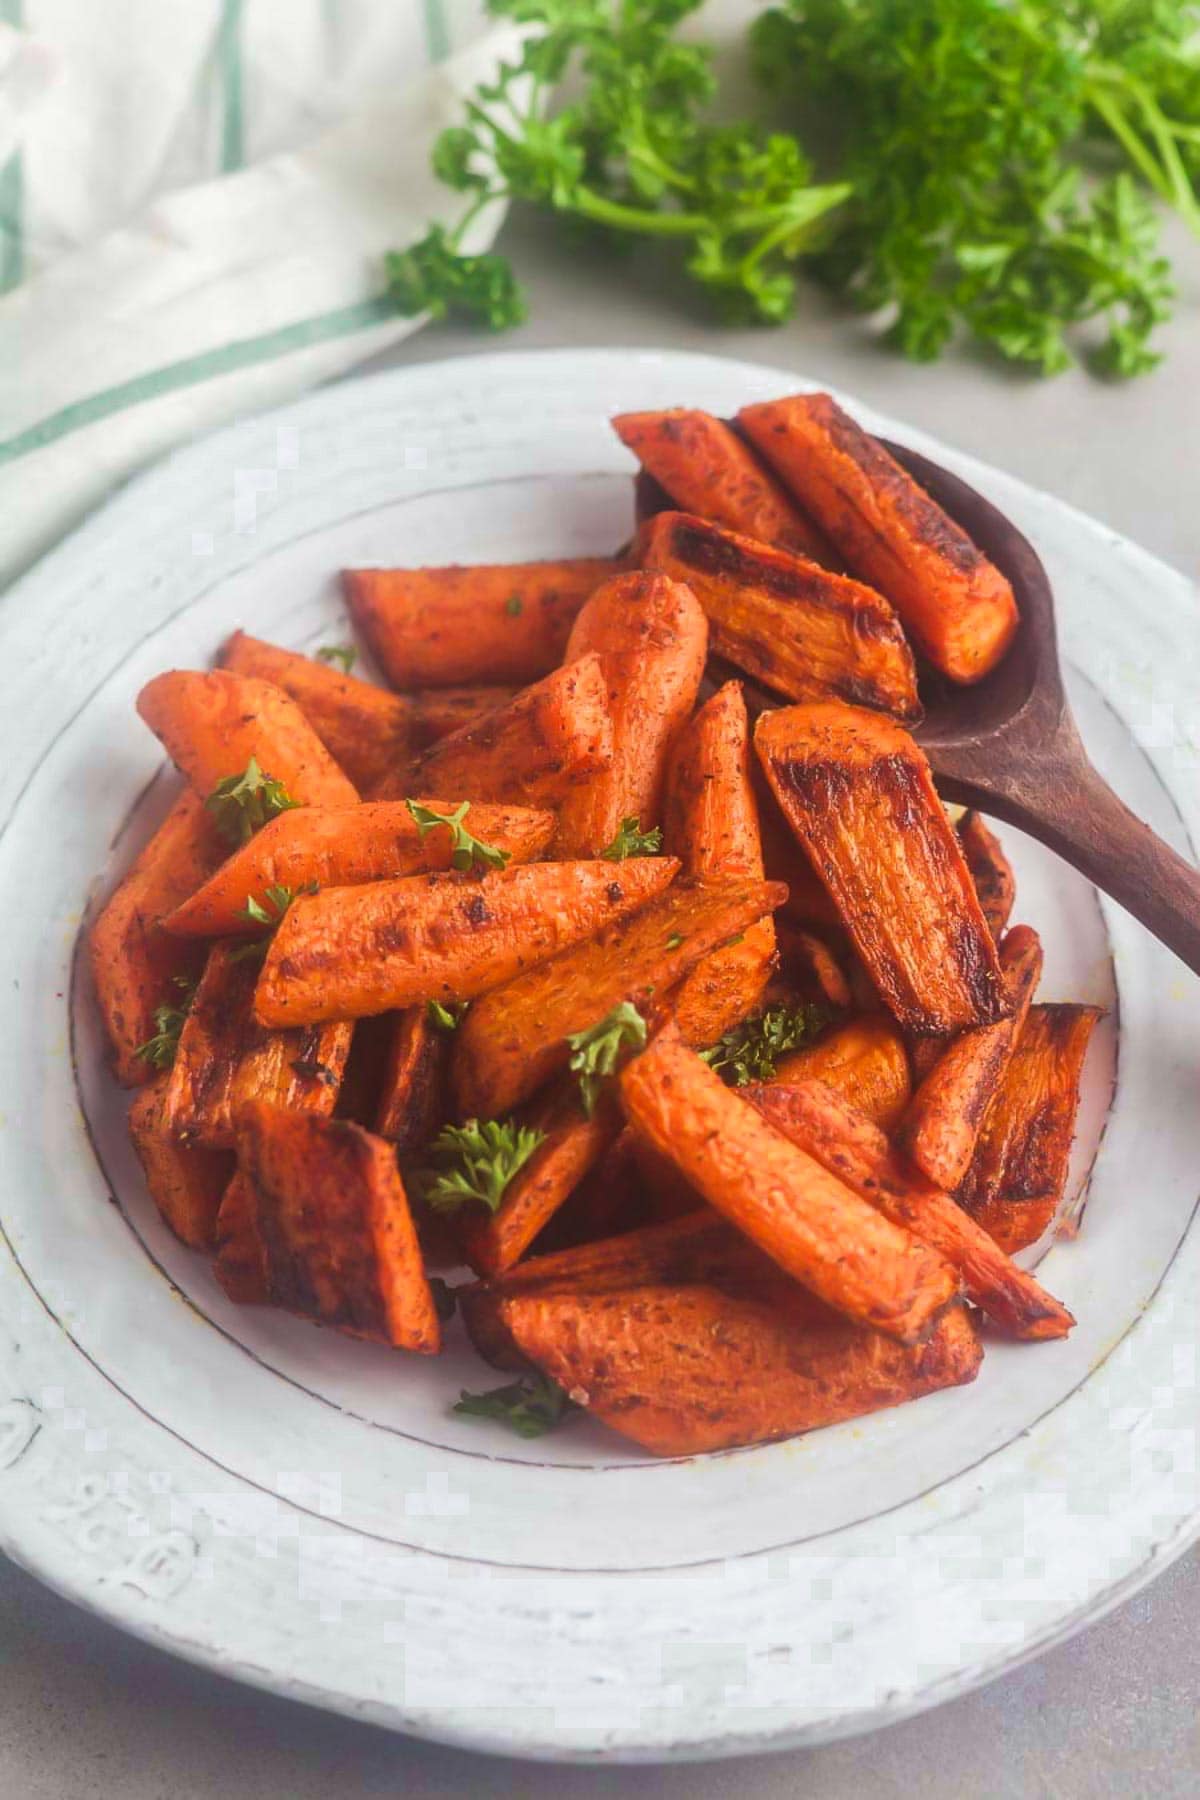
[
  {"x": 991, "y": 871},
  {"x": 503, "y": 622},
  {"x": 844, "y": 1141},
  {"x": 514, "y": 1039},
  {"x": 348, "y": 953},
  {"x": 185, "y": 1182},
  {"x": 809, "y": 1222},
  {"x": 858, "y": 793},
  {"x": 705, "y": 468},
  {"x": 333, "y": 1218},
  {"x": 440, "y": 712},
  {"x": 682, "y": 1371},
  {"x": 809, "y": 961},
  {"x": 240, "y": 1262},
  {"x": 941, "y": 1126},
  {"x": 550, "y": 739},
  {"x": 652, "y": 639},
  {"x": 411, "y": 1098},
  {"x": 863, "y": 1061},
  {"x": 1016, "y": 1180},
  {"x": 346, "y": 847},
  {"x": 134, "y": 963},
  {"x": 212, "y": 724},
  {"x": 789, "y": 623}
]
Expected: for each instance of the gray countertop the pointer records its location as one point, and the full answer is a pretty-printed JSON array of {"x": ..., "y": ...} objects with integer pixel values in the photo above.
[{"x": 87, "y": 1714}]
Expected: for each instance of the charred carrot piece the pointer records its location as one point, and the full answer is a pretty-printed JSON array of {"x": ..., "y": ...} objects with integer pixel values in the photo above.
[
  {"x": 991, "y": 871},
  {"x": 682, "y": 1371},
  {"x": 651, "y": 638},
  {"x": 410, "y": 1104},
  {"x": 941, "y": 1127},
  {"x": 1017, "y": 1177},
  {"x": 785, "y": 620},
  {"x": 211, "y": 725},
  {"x": 957, "y": 605},
  {"x": 515, "y": 1038},
  {"x": 136, "y": 966},
  {"x": 505, "y": 622},
  {"x": 811, "y": 963},
  {"x": 844, "y": 1141},
  {"x": 858, "y": 793},
  {"x": 240, "y": 1262},
  {"x": 338, "y": 1238},
  {"x": 347, "y": 953},
  {"x": 346, "y": 847},
  {"x": 185, "y": 1182},
  {"x": 863, "y": 1061},
  {"x": 225, "y": 1058},
  {"x": 548, "y": 741},
  {"x": 811, "y": 1224},
  {"x": 707, "y": 469}
]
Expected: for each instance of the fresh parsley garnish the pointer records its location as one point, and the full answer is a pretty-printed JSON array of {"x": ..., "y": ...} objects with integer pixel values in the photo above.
[
  {"x": 631, "y": 840},
  {"x": 278, "y": 899},
  {"x": 243, "y": 804},
  {"x": 466, "y": 851},
  {"x": 345, "y": 655},
  {"x": 752, "y": 1049},
  {"x": 160, "y": 1050},
  {"x": 597, "y": 1051},
  {"x": 530, "y": 1407},
  {"x": 514, "y": 606},
  {"x": 476, "y": 1161},
  {"x": 446, "y": 1018}
]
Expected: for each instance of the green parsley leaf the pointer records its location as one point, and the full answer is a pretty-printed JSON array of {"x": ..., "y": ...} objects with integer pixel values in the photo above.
[
  {"x": 243, "y": 804},
  {"x": 160, "y": 1050},
  {"x": 631, "y": 840},
  {"x": 446, "y": 1018},
  {"x": 278, "y": 899},
  {"x": 466, "y": 851},
  {"x": 530, "y": 1407},
  {"x": 676, "y": 938},
  {"x": 345, "y": 655},
  {"x": 476, "y": 1161},
  {"x": 597, "y": 1051},
  {"x": 752, "y": 1049},
  {"x": 514, "y": 606},
  {"x": 433, "y": 276}
]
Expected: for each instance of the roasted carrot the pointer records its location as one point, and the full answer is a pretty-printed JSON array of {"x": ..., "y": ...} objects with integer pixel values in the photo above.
[
  {"x": 791, "y": 624},
  {"x": 1016, "y": 1180},
  {"x": 846, "y": 1142},
  {"x": 808, "y": 902},
  {"x": 810, "y": 962},
  {"x": 136, "y": 967},
  {"x": 548, "y": 741},
  {"x": 338, "y": 1239},
  {"x": 439, "y": 712},
  {"x": 185, "y": 1182},
  {"x": 809, "y": 1222},
  {"x": 411, "y": 1096},
  {"x": 682, "y": 1371},
  {"x": 240, "y": 1264},
  {"x": 990, "y": 869},
  {"x": 496, "y": 622},
  {"x": 941, "y": 1127},
  {"x": 707, "y": 469},
  {"x": 211, "y": 725},
  {"x": 651, "y": 638},
  {"x": 225, "y": 1058},
  {"x": 346, "y": 847},
  {"x": 858, "y": 793},
  {"x": 864, "y": 1061},
  {"x": 957, "y": 605},
  {"x": 346, "y": 953},
  {"x": 515, "y": 1038}
]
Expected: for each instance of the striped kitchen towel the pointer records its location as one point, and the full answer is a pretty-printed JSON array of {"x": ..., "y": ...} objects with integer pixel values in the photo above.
[{"x": 195, "y": 199}]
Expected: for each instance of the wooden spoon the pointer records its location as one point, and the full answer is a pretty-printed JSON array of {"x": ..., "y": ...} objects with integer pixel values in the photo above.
[{"x": 1011, "y": 747}]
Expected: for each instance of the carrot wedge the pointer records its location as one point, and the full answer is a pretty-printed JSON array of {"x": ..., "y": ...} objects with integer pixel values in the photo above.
[
  {"x": 682, "y": 1371},
  {"x": 212, "y": 724},
  {"x": 844, "y": 1141},
  {"x": 811, "y": 1224},
  {"x": 504, "y": 622},
  {"x": 1015, "y": 1183},
  {"x": 651, "y": 638},
  {"x": 409, "y": 1106},
  {"x": 439, "y": 712},
  {"x": 240, "y": 1264},
  {"x": 185, "y": 1182},
  {"x": 347, "y": 953},
  {"x": 863, "y": 1061},
  {"x": 704, "y": 467},
  {"x": 346, "y": 847},
  {"x": 338, "y": 1239},
  {"x": 551, "y": 738},
  {"x": 941, "y": 1127},
  {"x": 858, "y": 793},
  {"x": 135, "y": 965},
  {"x": 225, "y": 1058},
  {"x": 515, "y": 1038},
  {"x": 957, "y": 605},
  {"x": 990, "y": 869},
  {"x": 785, "y": 620}
]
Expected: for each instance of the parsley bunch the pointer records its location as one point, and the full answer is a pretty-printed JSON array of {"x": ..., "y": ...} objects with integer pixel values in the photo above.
[
  {"x": 476, "y": 1161},
  {"x": 751, "y": 1051}
]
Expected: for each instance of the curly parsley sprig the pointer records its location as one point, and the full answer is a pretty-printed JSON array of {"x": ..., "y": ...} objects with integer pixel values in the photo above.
[
  {"x": 529, "y": 1407},
  {"x": 476, "y": 1161},
  {"x": 466, "y": 852},
  {"x": 598, "y": 1052},
  {"x": 161, "y": 1049},
  {"x": 751, "y": 1050},
  {"x": 243, "y": 804},
  {"x": 631, "y": 840}
]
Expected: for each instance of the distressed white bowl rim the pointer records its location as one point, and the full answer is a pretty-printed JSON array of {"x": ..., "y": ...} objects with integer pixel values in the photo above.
[{"x": 109, "y": 1506}]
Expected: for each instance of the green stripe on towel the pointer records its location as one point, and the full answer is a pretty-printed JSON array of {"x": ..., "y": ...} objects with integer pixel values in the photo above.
[{"x": 229, "y": 62}]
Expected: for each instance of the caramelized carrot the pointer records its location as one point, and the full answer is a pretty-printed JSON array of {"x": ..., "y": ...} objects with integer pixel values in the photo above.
[
  {"x": 439, "y": 712},
  {"x": 858, "y": 793},
  {"x": 990, "y": 869},
  {"x": 240, "y": 1263},
  {"x": 791, "y": 624},
  {"x": 811, "y": 963},
  {"x": 185, "y": 1182},
  {"x": 410, "y": 1103},
  {"x": 863, "y": 1061},
  {"x": 957, "y": 604},
  {"x": 651, "y": 638}
]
